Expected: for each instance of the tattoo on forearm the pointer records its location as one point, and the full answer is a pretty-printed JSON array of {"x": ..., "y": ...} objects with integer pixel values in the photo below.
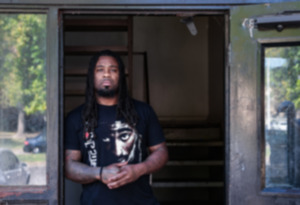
[
  {"x": 156, "y": 160},
  {"x": 77, "y": 171}
]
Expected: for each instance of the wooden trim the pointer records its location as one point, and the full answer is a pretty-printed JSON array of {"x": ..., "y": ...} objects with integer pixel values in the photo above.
[
  {"x": 53, "y": 149},
  {"x": 89, "y": 24},
  {"x": 49, "y": 193},
  {"x": 130, "y": 52},
  {"x": 195, "y": 144},
  {"x": 187, "y": 184},
  {"x": 138, "y": 2},
  {"x": 90, "y": 50},
  {"x": 196, "y": 163},
  {"x": 75, "y": 92},
  {"x": 82, "y": 72},
  {"x": 61, "y": 108},
  {"x": 76, "y": 72},
  {"x": 227, "y": 110}
]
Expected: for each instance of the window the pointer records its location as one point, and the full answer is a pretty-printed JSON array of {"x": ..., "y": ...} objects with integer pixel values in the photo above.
[
  {"x": 282, "y": 116},
  {"x": 23, "y": 99}
]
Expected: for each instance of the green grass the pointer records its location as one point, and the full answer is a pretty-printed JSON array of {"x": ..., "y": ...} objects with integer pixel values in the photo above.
[
  {"x": 16, "y": 145},
  {"x": 27, "y": 158},
  {"x": 11, "y": 143}
]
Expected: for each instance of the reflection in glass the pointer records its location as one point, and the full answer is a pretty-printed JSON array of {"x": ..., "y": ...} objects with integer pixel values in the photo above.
[
  {"x": 22, "y": 99},
  {"x": 282, "y": 116}
]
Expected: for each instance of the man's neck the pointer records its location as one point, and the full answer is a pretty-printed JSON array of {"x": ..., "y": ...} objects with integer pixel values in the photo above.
[{"x": 107, "y": 101}]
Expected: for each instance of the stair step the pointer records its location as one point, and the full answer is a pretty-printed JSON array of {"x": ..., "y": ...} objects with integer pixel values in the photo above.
[
  {"x": 196, "y": 144},
  {"x": 191, "y": 202},
  {"x": 194, "y": 153},
  {"x": 193, "y": 134},
  {"x": 75, "y": 72},
  {"x": 190, "y": 172},
  {"x": 195, "y": 172},
  {"x": 196, "y": 163},
  {"x": 186, "y": 184},
  {"x": 75, "y": 92},
  {"x": 186, "y": 123}
]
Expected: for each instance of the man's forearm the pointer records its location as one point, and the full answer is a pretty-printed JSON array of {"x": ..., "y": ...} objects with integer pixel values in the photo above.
[
  {"x": 156, "y": 160},
  {"x": 84, "y": 174},
  {"x": 81, "y": 173},
  {"x": 77, "y": 171}
]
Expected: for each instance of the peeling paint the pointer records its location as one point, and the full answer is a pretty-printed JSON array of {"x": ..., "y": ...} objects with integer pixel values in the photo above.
[
  {"x": 248, "y": 23},
  {"x": 4, "y": 195}
]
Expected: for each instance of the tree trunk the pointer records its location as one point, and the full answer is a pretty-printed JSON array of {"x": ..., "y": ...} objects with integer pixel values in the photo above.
[{"x": 21, "y": 124}]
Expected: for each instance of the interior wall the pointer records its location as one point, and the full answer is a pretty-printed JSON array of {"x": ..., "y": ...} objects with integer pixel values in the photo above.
[{"x": 177, "y": 64}]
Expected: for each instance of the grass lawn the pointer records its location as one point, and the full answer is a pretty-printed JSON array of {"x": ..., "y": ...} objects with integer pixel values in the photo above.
[
  {"x": 30, "y": 158},
  {"x": 16, "y": 146}
]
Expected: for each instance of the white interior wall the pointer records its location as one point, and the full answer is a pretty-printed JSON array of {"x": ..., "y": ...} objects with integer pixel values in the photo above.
[{"x": 177, "y": 64}]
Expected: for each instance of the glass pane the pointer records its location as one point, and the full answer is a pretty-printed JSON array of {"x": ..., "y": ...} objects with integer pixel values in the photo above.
[
  {"x": 22, "y": 99},
  {"x": 282, "y": 116}
]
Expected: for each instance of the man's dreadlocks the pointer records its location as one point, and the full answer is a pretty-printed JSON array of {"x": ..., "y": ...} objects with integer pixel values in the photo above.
[{"x": 125, "y": 106}]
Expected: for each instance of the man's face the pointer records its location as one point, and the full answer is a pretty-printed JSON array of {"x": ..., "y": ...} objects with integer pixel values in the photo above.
[
  {"x": 106, "y": 76},
  {"x": 121, "y": 141}
]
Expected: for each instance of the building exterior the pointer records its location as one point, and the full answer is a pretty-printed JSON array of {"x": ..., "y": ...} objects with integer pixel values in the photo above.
[{"x": 215, "y": 90}]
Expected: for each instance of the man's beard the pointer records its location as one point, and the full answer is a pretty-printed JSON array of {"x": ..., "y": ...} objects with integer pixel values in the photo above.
[{"x": 107, "y": 93}]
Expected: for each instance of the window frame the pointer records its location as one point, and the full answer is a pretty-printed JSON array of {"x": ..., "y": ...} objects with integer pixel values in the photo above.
[
  {"x": 265, "y": 43},
  {"x": 49, "y": 193}
]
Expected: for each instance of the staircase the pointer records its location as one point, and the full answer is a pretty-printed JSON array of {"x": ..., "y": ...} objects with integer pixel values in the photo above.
[{"x": 195, "y": 171}]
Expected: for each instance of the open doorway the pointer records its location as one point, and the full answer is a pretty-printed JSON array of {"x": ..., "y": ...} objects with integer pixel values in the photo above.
[{"x": 179, "y": 71}]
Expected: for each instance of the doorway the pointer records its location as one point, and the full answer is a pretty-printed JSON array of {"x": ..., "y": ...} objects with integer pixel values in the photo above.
[{"x": 175, "y": 63}]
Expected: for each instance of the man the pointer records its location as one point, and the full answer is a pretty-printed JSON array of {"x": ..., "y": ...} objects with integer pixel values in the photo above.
[{"x": 107, "y": 140}]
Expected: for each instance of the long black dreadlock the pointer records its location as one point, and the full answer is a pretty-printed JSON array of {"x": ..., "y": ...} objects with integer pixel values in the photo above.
[{"x": 125, "y": 106}]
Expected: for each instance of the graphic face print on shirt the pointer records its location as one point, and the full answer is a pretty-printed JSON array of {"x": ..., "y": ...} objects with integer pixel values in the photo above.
[{"x": 124, "y": 142}]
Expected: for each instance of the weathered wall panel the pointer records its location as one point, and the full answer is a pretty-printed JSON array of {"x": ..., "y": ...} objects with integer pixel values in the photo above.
[
  {"x": 138, "y": 2},
  {"x": 245, "y": 134}
]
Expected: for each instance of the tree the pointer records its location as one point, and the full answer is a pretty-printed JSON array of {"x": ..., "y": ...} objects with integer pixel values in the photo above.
[
  {"x": 285, "y": 79},
  {"x": 23, "y": 51}
]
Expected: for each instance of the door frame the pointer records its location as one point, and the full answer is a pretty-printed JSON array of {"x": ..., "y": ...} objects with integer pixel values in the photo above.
[{"x": 173, "y": 12}]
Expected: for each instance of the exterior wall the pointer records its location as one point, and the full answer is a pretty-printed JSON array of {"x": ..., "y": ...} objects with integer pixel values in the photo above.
[
  {"x": 155, "y": 5},
  {"x": 138, "y": 2}
]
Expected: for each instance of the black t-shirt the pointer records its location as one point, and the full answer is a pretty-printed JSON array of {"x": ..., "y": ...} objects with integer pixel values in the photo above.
[{"x": 115, "y": 141}]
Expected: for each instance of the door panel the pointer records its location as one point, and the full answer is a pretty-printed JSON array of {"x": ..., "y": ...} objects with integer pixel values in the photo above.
[{"x": 247, "y": 158}]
